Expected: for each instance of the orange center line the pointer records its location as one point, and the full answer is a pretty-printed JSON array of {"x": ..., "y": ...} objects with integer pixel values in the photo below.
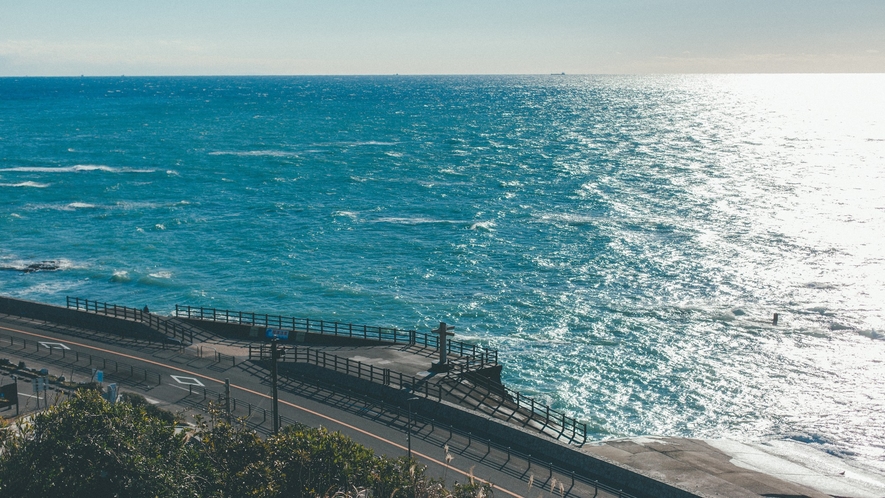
[{"x": 246, "y": 389}]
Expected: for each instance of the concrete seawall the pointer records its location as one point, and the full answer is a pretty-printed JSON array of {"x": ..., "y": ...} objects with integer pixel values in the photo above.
[
  {"x": 541, "y": 448},
  {"x": 643, "y": 467},
  {"x": 74, "y": 318}
]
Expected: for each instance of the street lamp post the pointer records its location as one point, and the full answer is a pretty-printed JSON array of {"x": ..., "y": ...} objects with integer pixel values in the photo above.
[
  {"x": 273, "y": 372},
  {"x": 409, "y": 434}
]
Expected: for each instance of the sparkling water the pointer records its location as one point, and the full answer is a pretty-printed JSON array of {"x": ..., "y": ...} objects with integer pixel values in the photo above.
[{"x": 623, "y": 241}]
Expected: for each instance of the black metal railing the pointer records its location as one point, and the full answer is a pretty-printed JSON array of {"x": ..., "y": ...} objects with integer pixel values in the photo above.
[
  {"x": 477, "y": 354},
  {"x": 247, "y": 411},
  {"x": 551, "y": 421},
  {"x": 58, "y": 350},
  {"x": 156, "y": 322}
]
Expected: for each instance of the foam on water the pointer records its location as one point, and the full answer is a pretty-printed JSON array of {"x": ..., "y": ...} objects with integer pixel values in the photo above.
[
  {"x": 624, "y": 241},
  {"x": 74, "y": 169},
  {"x": 25, "y": 184}
]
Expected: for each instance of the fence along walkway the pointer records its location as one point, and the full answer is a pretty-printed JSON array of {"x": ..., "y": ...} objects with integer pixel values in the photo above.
[
  {"x": 543, "y": 474},
  {"x": 164, "y": 325},
  {"x": 476, "y": 355},
  {"x": 494, "y": 400}
]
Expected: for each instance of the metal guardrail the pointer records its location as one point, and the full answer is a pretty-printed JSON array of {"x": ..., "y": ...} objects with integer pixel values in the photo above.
[
  {"x": 219, "y": 398},
  {"x": 155, "y": 322},
  {"x": 94, "y": 361},
  {"x": 479, "y": 354},
  {"x": 569, "y": 428}
]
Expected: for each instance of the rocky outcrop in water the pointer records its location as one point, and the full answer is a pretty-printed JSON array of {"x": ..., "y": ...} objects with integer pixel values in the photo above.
[{"x": 35, "y": 267}]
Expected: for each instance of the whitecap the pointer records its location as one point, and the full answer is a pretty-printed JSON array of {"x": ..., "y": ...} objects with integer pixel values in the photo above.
[
  {"x": 77, "y": 205},
  {"x": 417, "y": 221},
  {"x": 161, "y": 274},
  {"x": 74, "y": 169},
  {"x": 569, "y": 219},
  {"x": 25, "y": 184},
  {"x": 160, "y": 226},
  {"x": 483, "y": 225},
  {"x": 368, "y": 142},
  {"x": 254, "y": 153},
  {"x": 121, "y": 276},
  {"x": 346, "y": 214}
]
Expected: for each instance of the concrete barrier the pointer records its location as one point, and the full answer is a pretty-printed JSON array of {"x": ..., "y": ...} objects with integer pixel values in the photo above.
[
  {"x": 75, "y": 318},
  {"x": 544, "y": 449}
]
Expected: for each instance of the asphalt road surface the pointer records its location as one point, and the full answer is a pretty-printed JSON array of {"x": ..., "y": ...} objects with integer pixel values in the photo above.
[{"x": 184, "y": 382}]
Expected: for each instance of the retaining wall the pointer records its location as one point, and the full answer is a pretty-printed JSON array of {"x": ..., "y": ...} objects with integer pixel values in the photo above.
[
  {"x": 522, "y": 440},
  {"x": 75, "y": 318}
]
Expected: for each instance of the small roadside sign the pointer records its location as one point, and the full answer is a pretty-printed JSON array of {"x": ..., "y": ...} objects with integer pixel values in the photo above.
[{"x": 277, "y": 334}]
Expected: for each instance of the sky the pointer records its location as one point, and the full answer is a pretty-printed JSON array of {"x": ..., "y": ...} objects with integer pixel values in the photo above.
[{"x": 295, "y": 37}]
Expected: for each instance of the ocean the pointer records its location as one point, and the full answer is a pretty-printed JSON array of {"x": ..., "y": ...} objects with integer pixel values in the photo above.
[{"x": 623, "y": 241}]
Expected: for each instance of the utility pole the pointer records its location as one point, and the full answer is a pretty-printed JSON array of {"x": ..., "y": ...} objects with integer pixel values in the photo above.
[{"x": 227, "y": 399}]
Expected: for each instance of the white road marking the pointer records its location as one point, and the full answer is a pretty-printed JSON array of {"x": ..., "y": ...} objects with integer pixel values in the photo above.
[{"x": 188, "y": 381}]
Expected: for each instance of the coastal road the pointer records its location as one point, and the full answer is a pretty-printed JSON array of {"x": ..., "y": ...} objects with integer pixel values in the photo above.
[{"x": 186, "y": 382}]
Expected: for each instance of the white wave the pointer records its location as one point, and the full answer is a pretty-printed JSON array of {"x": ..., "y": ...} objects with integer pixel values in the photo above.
[
  {"x": 483, "y": 225},
  {"x": 450, "y": 171},
  {"x": 346, "y": 214},
  {"x": 25, "y": 184},
  {"x": 569, "y": 219},
  {"x": 160, "y": 226},
  {"x": 368, "y": 142},
  {"x": 73, "y": 206},
  {"x": 418, "y": 221},
  {"x": 75, "y": 169},
  {"x": 121, "y": 276},
  {"x": 254, "y": 153},
  {"x": 161, "y": 274}
]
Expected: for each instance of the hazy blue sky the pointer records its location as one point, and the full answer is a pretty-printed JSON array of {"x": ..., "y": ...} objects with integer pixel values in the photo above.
[{"x": 157, "y": 37}]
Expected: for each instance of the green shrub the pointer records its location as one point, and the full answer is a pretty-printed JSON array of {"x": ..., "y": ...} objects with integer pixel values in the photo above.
[{"x": 86, "y": 447}]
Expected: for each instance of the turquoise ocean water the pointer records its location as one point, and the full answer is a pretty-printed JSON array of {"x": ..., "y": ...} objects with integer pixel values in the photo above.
[{"x": 623, "y": 241}]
